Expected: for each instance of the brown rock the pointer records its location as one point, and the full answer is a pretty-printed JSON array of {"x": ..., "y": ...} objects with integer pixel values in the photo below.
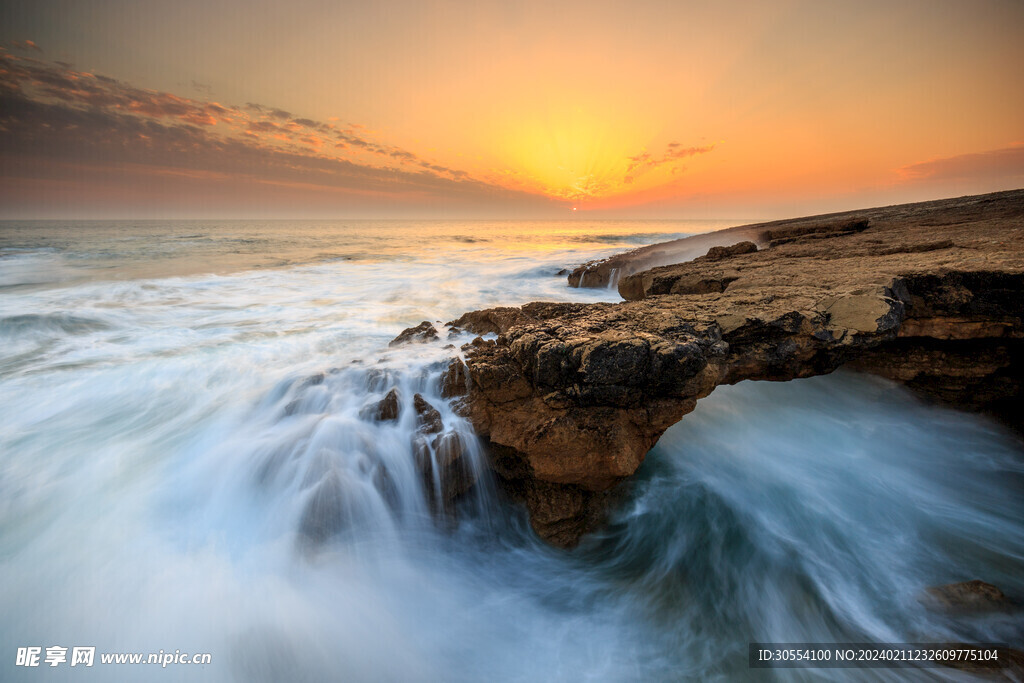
[
  {"x": 455, "y": 379},
  {"x": 423, "y": 332},
  {"x": 968, "y": 596},
  {"x": 428, "y": 419},
  {"x": 386, "y": 409},
  {"x": 719, "y": 253},
  {"x": 571, "y": 397}
]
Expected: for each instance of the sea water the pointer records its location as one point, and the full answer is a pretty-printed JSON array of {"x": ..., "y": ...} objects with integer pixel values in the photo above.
[{"x": 188, "y": 464}]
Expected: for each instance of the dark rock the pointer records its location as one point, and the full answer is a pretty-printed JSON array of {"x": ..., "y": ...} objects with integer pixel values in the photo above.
[
  {"x": 428, "y": 419},
  {"x": 385, "y": 484},
  {"x": 968, "y": 596},
  {"x": 456, "y": 474},
  {"x": 326, "y": 513},
  {"x": 445, "y": 471},
  {"x": 312, "y": 380},
  {"x": 454, "y": 379},
  {"x": 386, "y": 409},
  {"x": 424, "y": 332},
  {"x": 490, "y": 321},
  {"x": 792, "y": 231}
]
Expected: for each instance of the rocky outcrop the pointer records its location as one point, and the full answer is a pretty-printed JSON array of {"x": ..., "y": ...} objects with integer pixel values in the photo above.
[
  {"x": 570, "y": 397},
  {"x": 423, "y": 332},
  {"x": 385, "y": 410},
  {"x": 610, "y": 271}
]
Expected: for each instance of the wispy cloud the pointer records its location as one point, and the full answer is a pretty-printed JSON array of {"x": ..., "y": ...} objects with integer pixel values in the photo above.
[
  {"x": 674, "y": 151},
  {"x": 26, "y": 46},
  {"x": 1007, "y": 162},
  {"x": 52, "y": 114}
]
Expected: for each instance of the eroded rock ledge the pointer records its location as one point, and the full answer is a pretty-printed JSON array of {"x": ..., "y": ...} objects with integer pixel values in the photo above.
[{"x": 572, "y": 396}]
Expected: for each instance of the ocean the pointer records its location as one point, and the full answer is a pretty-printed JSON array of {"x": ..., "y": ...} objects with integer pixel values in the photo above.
[{"x": 182, "y": 401}]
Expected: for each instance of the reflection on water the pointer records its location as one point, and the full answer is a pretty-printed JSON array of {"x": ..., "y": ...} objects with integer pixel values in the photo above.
[{"x": 65, "y": 250}]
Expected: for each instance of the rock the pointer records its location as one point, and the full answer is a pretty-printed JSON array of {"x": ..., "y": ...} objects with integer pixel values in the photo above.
[
  {"x": 803, "y": 230},
  {"x": 456, "y": 474},
  {"x": 386, "y": 409},
  {"x": 424, "y": 332},
  {"x": 444, "y": 470},
  {"x": 570, "y": 397},
  {"x": 385, "y": 484},
  {"x": 968, "y": 596},
  {"x": 326, "y": 513},
  {"x": 490, "y": 321},
  {"x": 428, "y": 419},
  {"x": 454, "y": 379},
  {"x": 720, "y": 253},
  {"x": 600, "y": 273}
]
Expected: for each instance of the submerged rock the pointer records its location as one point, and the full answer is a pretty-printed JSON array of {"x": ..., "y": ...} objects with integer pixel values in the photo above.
[
  {"x": 968, "y": 596},
  {"x": 326, "y": 513}
]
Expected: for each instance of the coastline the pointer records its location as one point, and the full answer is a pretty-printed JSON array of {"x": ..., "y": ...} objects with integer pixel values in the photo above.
[{"x": 570, "y": 397}]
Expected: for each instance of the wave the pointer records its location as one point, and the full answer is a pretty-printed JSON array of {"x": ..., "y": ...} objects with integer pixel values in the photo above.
[{"x": 49, "y": 323}]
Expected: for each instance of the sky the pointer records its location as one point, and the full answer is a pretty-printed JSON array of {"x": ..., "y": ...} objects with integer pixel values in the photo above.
[{"x": 642, "y": 109}]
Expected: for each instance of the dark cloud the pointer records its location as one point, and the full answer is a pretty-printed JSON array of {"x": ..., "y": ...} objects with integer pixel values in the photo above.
[
  {"x": 53, "y": 119},
  {"x": 26, "y": 46}
]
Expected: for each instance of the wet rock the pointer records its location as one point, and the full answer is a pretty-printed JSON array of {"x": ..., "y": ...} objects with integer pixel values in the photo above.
[
  {"x": 454, "y": 379},
  {"x": 489, "y": 321},
  {"x": 445, "y": 470},
  {"x": 385, "y": 410},
  {"x": 385, "y": 485},
  {"x": 455, "y": 473},
  {"x": 424, "y": 332},
  {"x": 428, "y": 419},
  {"x": 312, "y": 380},
  {"x": 576, "y": 394},
  {"x": 967, "y": 596},
  {"x": 326, "y": 513}
]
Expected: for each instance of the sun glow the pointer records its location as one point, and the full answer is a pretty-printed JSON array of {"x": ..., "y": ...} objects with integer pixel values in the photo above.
[{"x": 577, "y": 158}]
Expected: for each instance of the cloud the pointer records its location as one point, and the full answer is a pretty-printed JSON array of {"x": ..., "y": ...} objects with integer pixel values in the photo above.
[
  {"x": 674, "y": 151},
  {"x": 26, "y": 45},
  {"x": 53, "y": 118},
  {"x": 202, "y": 88},
  {"x": 1007, "y": 162}
]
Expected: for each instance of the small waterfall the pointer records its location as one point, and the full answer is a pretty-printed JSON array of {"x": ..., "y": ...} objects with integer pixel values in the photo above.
[
  {"x": 369, "y": 450},
  {"x": 613, "y": 278}
]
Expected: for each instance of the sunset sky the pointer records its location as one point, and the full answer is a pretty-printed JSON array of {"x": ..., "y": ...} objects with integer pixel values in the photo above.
[{"x": 206, "y": 108}]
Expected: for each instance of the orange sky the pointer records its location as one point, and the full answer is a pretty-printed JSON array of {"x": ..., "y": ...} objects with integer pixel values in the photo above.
[{"x": 660, "y": 109}]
